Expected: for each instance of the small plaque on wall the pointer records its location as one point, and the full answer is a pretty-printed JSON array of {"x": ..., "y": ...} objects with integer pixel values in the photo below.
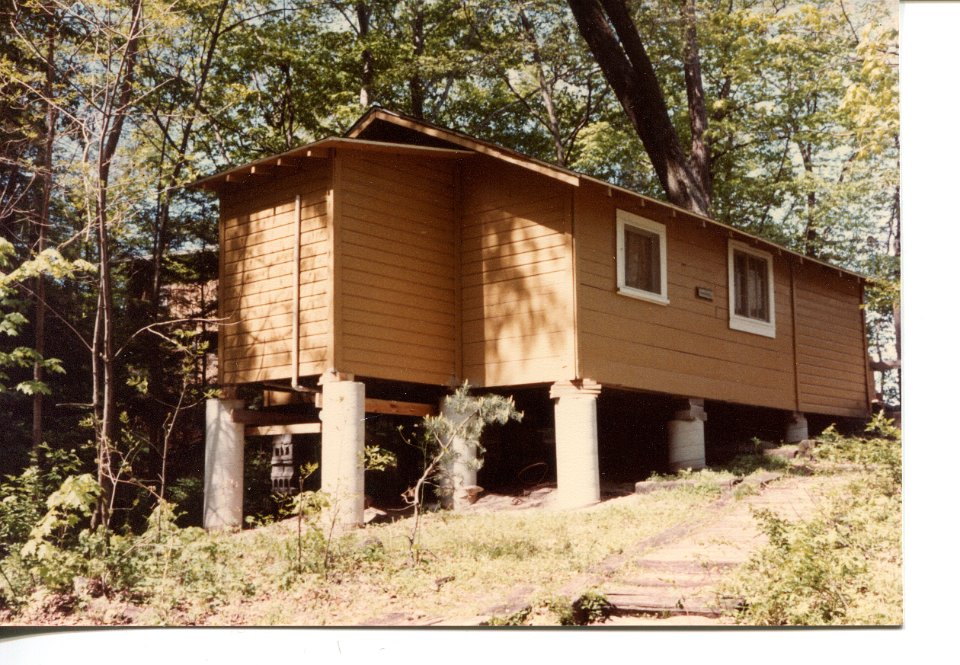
[{"x": 705, "y": 293}]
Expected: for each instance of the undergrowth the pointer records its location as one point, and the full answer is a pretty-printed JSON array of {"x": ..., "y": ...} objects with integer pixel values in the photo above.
[{"x": 842, "y": 566}]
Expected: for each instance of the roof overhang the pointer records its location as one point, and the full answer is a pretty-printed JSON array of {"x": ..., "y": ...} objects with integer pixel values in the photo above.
[{"x": 269, "y": 166}]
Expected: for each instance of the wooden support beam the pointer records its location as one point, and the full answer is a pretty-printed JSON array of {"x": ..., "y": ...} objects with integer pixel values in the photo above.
[
  {"x": 235, "y": 177},
  {"x": 390, "y": 407},
  {"x": 266, "y": 419},
  {"x": 261, "y": 170},
  {"x": 276, "y": 430},
  {"x": 249, "y": 417}
]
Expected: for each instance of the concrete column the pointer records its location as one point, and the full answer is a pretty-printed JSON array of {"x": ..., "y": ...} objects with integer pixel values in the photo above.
[
  {"x": 796, "y": 430},
  {"x": 462, "y": 467},
  {"x": 575, "y": 421},
  {"x": 341, "y": 450},
  {"x": 686, "y": 448},
  {"x": 223, "y": 466}
]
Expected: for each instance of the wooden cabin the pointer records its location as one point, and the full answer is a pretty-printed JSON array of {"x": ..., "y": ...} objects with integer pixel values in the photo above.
[{"x": 405, "y": 254}]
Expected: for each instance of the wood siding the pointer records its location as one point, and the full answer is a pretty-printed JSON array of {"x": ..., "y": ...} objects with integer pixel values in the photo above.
[
  {"x": 686, "y": 347},
  {"x": 517, "y": 278},
  {"x": 396, "y": 259},
  {"x": 831, "y": 355},
  {"x": 431, "y": 270},
  {"x": 256, "y": 271}
]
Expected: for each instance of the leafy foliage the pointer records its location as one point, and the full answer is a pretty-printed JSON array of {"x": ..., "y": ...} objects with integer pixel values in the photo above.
[{"x": 843, "y": 565}]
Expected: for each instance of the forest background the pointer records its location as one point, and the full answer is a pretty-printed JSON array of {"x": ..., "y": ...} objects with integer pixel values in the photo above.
[{"x": 780, "y": 118}]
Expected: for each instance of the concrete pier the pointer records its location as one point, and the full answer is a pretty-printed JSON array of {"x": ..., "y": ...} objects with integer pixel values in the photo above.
[
  {"x": 578, "y": 466},
  {"x": 223, "y": 466},
  {"x": 796, "y": 429},
  {"x": 341, "y": 450},
  {"x": 686, "y": 447}
]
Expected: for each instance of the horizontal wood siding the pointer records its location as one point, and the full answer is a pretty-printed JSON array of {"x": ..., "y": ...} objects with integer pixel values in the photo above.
[
  {"x": 831, "y": 352},
  {"x": 686, "y": 347},
  {"x": 397, "y": 267},
  {"x": 516, "y": 276},
  {"x": 256, "y": 275}
]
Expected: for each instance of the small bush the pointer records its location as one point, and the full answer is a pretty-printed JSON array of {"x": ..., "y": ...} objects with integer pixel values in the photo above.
[{"x": 591, "y": 607}]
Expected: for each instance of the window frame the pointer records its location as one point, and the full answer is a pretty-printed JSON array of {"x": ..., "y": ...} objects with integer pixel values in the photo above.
[
  {"x": 628, "y": 219},
  {"x": 766, "y": 328}
]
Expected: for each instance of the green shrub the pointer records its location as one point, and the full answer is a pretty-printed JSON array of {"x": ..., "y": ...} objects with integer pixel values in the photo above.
[
  {"x": 591, "y": 607},
  {"x": 22, "y": 498},
  {"x": 881, "y": 452},
  {"x": 842, "y": 567}
]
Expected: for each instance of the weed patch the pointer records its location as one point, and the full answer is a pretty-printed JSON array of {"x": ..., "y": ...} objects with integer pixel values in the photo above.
[{"x": 842, "y": 566}]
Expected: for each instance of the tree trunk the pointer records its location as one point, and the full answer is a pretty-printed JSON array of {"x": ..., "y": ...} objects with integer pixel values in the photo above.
[
  {"x": 417, "y": 88},
  {"x": 811, "y": 236},
  {"x": 696, "y": 102},
  {"x": 613, "y": 39},
  {"x": 366, "y": 57},
  {"x": 546, "y": 91},
  {"x": 46, "y": 173},
  {"x": 161, "y": 231},
  {"x": 117, "y": 96}
]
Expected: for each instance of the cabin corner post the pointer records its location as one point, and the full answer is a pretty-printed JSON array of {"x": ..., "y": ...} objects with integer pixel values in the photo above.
[
  {"x": 459, "y": 486},
  {"x": 341, "y": 449},
  {"x": 686, "y": 444},
  {"x": 223, "y": 466},
  {"x": 575, "y": 422},
  {"x": 796, "y": 429}
]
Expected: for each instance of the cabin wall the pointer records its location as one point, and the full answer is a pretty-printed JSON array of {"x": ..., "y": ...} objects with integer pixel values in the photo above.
[
  {"x": 396, "y": 265},
  {"x": 256, "y": 274},
  {"x": 831, "y": 345},
  {"x": 517, "y": 283},
  {"x": 686, "y": 347}
]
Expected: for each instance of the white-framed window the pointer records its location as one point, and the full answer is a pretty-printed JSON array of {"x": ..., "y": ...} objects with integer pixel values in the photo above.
[
  {"x": 641, "y": 258},
  {"x": 751, "y": 289}
]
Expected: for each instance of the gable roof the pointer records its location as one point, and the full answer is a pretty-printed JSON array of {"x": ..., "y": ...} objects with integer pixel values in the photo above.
[{"x": 388, "y": 131}]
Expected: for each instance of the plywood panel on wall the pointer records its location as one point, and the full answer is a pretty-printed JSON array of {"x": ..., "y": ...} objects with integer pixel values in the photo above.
[
  {"x": 685, "y": 347},
  {"x": 397, "y": 267},
  {"x": 517, "y": 276},
  {"x": 257, "y": 273}
]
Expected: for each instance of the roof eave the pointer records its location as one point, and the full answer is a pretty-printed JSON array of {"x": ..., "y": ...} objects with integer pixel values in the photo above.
[{"x": 318, "y": 150}]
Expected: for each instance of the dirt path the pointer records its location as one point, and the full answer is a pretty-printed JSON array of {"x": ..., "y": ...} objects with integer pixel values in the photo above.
[
  {"x": 673, "y": 578},
  {"x": 678, "y": 577}
]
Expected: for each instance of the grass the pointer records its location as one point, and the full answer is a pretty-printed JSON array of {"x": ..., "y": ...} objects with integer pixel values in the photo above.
[
  {"x": 471, "y": 564},
  {"x": 505, "y": 568}
]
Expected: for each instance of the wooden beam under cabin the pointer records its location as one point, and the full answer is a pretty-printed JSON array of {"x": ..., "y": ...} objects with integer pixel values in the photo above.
[
  {"x": 250, "y": 417},
  {"x": 276, "y": 430},
  {"x": 259, "y": 419},
  {"x": 389, "y": 407}
]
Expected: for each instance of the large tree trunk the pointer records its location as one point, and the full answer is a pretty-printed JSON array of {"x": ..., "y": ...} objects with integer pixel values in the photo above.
[
  {"x": 613, "y": 39},
  {"x": 696, "y": 101}
]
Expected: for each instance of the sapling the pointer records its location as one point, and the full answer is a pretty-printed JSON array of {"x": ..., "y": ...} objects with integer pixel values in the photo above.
[{"x": 463, "y": 417}]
